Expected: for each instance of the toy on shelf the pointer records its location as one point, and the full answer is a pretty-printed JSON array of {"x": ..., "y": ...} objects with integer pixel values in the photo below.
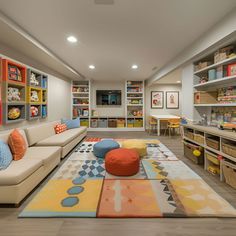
[
  {"x": 136, "y": 113},
  {"x": 14, "y": 73},
  {"x": 44, "y": 111},
  {"x": 33, "y": 80},
  {"x": 14, "y": 113},
  {"x": 227, "y": 126},
  {"x": 34, "y": 96},
  {"x": 34, "y": 111},
  {"x": 13, "y": 94},
  {"x": 227, "y": 94}
]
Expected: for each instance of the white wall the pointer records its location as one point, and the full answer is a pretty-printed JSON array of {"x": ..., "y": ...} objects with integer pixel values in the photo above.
[
  {"x": 108, "y": 110},
  {"x": 164, "y": 88},
  {"x": 59, "y": 100},
  {"x": 187, "y": 91}
]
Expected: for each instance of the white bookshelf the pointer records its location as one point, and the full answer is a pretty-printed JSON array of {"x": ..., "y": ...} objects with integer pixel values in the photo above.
[
  {"x": 134, "y": 105},
  {"x": 81, "y": 101}
]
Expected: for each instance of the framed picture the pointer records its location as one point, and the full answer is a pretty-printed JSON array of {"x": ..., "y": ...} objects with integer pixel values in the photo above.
[
  {"x": 157, "y": 99},
  {"x": 172, "y": 100}
]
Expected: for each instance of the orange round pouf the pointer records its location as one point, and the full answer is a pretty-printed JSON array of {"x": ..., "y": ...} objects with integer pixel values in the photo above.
[{"x": 122, "y": 162}]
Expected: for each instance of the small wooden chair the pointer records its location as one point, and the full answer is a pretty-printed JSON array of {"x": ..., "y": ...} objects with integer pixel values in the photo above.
[
  {"x": 152, "y": 124},
  {"x": 172, "y": 125}
]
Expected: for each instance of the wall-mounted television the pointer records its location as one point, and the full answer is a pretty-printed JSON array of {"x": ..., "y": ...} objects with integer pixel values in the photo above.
[{"x": 108, "y": 97}]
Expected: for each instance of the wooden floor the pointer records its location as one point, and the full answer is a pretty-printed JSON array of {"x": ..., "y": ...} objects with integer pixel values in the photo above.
[{"x": 11, "y": 225}]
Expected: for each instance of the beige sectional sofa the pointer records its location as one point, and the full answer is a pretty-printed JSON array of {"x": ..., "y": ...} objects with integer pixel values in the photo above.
[
  {"x": 44, "y": 152},
  {"x": 44, "y": 135}
]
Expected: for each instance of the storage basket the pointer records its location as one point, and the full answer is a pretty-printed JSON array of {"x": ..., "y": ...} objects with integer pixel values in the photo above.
[
  {"x": 112, "y": 123},
  {"x": 203, "y": 97},
  {"x": 102, "y": 123},
  {"x": 229, "y": 149},
  {"x": 229, "y": 171},
  {"x": 84, "y": 123},
  {"x": 213, "y": 143},
  {"x": 188, "y": 152},
  {"x": 94, "y": 123},
  {"x": 212, "y": 158},
  {"x": 138, "y": 123},
  {"x": 189, "y": 134},
  {"x": 199, "y": 138},
  {"x": 120, "y": 123}
]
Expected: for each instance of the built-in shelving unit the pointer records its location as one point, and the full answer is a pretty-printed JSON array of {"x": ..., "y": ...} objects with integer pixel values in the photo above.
[
  {"x": 213, "y": 157},
  {"x": 13, "y": 91},
  {"x": 134, "y": 107},
  {"x": 214, "y": 83},
  {"x": 36, "y": 95},
  {"x": 81, "y": 101},
  {"x": 133, "y": 120}
]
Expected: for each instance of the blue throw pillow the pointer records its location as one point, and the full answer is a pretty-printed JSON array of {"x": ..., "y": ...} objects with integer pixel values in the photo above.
[
  {"x": 71, "y": 124},
  {"x": 5, "y": 155}
]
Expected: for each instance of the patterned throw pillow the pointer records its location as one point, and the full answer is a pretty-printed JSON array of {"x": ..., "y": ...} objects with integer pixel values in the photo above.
[
  {"x": 59, "y": 128},
  {"x": 5, "y": 156},
  {"x": 17, "y": 145}
]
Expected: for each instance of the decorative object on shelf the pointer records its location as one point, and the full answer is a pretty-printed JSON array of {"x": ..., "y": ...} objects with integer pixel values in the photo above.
[
  {"x": 34, "y": 111},
  {"x": 172, "y": 100},
  {"x": 223, "y": 53},
  {"x": 34, "y": 96},
  {"x": 44, "y": 111},
  {"x": 14, "y": 113},
  {"x": 33, "y": 80},
  {"x": 227, "y": 126},
  {"x": 211, "y": 74},
  {"x": 202, "y": 65},
  {"x": 203, "y": 80},
  {"x": 14, "y": 73},
  {"x": 13, "y": 94},
  {"x": 227, "y": 94},
  {"x": 157, "y": 99},
  {"x": 231, "y": 69}
]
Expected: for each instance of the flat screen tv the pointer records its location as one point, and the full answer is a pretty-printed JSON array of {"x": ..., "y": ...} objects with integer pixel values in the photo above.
[{"x": 108, "y": 97}]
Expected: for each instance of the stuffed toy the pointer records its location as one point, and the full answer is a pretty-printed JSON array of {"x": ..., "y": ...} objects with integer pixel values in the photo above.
[
  {"x": 13, "y": 94},
  {"x": 14, "y": 113},
  {"x": 33, "y": 80},
  {"x": 34, "y": 111},
  {"x": 34, "y": 96}
]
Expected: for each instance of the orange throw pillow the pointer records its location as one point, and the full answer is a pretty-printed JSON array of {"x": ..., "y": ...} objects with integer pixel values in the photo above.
[
  {"x": 59, "y": 128},
  {"x": 17, "y": 145}
]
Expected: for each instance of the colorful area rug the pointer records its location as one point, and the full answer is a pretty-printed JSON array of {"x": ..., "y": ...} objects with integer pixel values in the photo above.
[{"x": 164, "y": 187}]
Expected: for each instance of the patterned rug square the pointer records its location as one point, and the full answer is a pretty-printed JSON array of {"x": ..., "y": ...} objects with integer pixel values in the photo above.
[
  {"x": 168, "y": 170},
  {"x": 66, "y": 198}
]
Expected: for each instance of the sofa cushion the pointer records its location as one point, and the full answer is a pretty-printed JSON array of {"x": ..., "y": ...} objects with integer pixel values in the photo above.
[
  {"x": 46, "y": 154},
  {"x": 17, "y": 145},
  {"x": 62, "y": 139},
  {"x": 40, "y": 132},
  {"x": 19, "y": 170},
  {"x": 60, "y": 128},
  {"x": 4, "y": 135},
  {"x": 5, "y": 155},
  {"x": 71, "y": 124}
]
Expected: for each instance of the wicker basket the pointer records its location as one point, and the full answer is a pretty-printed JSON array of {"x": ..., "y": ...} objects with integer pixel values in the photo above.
[
  {"x": 189, "y": 134},
  {"x": 199, "y": 138},
  {"x": 188, "y": 152},
  {"x": 229, "y": 171},
  {"x": 212, "y": 158},
  {"x": 229, "y": 149},
  {"x": 213, "y": 143}
]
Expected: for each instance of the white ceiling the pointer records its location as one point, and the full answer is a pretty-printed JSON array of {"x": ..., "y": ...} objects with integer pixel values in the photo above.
[
  {"x": 113, "y": 37},
  {"x": 171, "y": 78}
]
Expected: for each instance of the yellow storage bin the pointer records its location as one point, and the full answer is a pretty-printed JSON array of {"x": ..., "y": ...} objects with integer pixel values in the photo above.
[
  {"x": 84, "y": 123},
  {"x": 215, "y": 170},
  {"x": 130, "y": 125},
  {"x": 212, "y": 158},
  {"x": 138, "y": 123}
]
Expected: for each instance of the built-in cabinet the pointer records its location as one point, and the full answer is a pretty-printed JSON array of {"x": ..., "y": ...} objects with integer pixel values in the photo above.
[{"x": 133, "y": 108}]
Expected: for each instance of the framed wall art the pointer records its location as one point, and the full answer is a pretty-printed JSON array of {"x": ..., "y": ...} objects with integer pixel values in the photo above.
[
  {"x": 172, "y": 100},
  {"x": 157, "y": 99}
]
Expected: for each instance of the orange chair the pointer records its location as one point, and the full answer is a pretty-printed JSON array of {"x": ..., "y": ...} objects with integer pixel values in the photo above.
[
  {"x": 152, "y": 124},
  {"x": 172, "y": 125}
]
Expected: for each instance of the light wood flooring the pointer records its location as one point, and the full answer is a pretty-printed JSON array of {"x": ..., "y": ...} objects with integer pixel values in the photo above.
[{"x": 10, "y": 225}]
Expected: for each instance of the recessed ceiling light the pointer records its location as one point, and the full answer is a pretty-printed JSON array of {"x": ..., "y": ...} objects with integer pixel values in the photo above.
[
  {"x": 72, "y": 39},
  {"x": 178, "y": 81},
  {"x": 134, "y": 67},
  {"x": 92, "y": 67}
]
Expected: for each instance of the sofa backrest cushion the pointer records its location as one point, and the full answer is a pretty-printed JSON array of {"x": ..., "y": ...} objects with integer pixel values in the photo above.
[
  {"x": 71, "y": 124},
  {"x": 5, "y": 155},
  {"x": 40, "y": 132},
  {"x": 4, "y": 135},
  {"x": 17, "y": 145}
]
